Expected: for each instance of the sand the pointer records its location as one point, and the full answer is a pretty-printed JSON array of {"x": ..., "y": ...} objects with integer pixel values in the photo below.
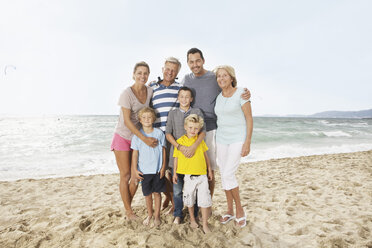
[{"x": 314, "y": 201}]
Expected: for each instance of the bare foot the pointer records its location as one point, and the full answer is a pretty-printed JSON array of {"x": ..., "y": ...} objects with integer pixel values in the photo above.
[
  {"x": 194, "y": 225},
  {"x": 132, "y": 216},
  {"x": 177, "y": 220},
  {"x": 169, "y": 211},
  {"x": 157, "y": 222},
  {"x": 165, "y": 203},
  {"x": 200, "y": 217},
  {"x": 147, "y": 221},
  {"x": 206, "y": 229}
]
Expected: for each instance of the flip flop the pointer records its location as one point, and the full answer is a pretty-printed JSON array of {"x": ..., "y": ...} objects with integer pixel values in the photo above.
[
  {"x": 230, "y": 217},
  {"x": 241, "y": 219}
]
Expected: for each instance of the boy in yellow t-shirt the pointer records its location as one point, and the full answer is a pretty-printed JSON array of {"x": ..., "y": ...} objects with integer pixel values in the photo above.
[{"x": 195, "y": 170}]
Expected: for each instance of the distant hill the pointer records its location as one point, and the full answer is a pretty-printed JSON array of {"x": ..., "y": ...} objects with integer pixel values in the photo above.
[
  {"x": 330, "y": 114},
  {"x": 344, "y": 114}
]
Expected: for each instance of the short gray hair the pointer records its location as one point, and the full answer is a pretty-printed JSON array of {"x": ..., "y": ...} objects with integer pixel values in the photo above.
[{"x": 173, "y": 60}]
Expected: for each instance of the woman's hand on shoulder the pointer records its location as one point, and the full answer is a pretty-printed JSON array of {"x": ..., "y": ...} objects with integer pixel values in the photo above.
[
  {"x": 246, "y": 94},
  {"x": 150, "y": 82},
  {"x": 151, "y": 141},
  {"x": 245, "y": 149}
]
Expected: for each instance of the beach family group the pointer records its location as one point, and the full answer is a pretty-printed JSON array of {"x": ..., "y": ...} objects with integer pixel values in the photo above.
[{"x": 171, "y": 137}]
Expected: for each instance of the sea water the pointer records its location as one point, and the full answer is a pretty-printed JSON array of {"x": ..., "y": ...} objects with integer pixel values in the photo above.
[{"x": 59, "y": 146}]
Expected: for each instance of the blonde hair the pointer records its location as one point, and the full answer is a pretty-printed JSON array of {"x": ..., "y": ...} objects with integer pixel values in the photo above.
[
  {"x": 139, "y": 64},
  {"x": 147, "y": 110},
  {"x": 173, "y": 60},
  {"x": 194, "y": 118},
  {"x": 230, "y": 71}
]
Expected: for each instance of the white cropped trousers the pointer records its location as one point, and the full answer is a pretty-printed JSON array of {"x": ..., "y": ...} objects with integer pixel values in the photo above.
[{"x": 228, "y": 160}]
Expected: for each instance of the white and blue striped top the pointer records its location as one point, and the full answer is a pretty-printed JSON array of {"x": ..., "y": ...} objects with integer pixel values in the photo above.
[{"x": 164, "y": 99}]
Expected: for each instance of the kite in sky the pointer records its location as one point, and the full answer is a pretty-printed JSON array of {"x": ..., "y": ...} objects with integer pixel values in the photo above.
[{"x": 7, "y": 68}]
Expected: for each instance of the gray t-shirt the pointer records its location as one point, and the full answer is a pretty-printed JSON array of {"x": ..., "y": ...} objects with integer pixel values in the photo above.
[
  {"x": 205, "y": 90},
  {"x": 175, "y": 126},
  {"x": 129, "y": 101}
]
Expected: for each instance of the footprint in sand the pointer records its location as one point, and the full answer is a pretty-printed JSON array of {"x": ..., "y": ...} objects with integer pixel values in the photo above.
[
  {"x": 22, "y": 211},
  {"x": 364, "y": 232},
  {"x": 176, "y": 235},
  {"x": 115, "y": 213},
  {"x": 23, "y": 228},
  {"x": 85, "y": 225},
  {"x": 131, "y": 242},
  {"x": 290, "y": 211},
  {"x": 301, "y": 231},
  {"x": 334, "y": 242}
]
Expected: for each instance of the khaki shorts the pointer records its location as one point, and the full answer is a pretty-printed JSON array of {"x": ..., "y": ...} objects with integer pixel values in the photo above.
[{"x": 196, "y": 186}]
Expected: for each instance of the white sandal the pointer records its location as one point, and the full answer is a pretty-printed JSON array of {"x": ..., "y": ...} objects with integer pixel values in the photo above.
[
  {"x": 241, "y": 219},
  {"x": 229, "y": 218}
]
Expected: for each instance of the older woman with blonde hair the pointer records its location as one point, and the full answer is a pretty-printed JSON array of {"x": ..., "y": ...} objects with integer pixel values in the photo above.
[{"x": 233, "y": 138}]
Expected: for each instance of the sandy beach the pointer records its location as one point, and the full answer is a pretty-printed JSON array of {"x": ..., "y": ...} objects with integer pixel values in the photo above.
[{"x": 314, "y": 201}]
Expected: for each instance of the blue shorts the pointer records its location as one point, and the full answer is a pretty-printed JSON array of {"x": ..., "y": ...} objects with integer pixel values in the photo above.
[{"x": 152, "y": 183}]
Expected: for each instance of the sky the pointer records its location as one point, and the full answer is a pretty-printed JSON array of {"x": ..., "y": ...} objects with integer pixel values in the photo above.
[{"x": 76, "y": 57}]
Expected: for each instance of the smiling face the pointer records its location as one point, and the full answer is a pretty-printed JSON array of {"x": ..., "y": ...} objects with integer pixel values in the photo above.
[
  {"x": 195, "y": 63},
  {"x": 224, "y": 79},
  {"x": 192, "y": 128},
  {"x": 146, "y": 119},
  {"x": 170, "y": 72},
  {"x": 141, "y": 75},
  {"x": 185, "y": 99}
]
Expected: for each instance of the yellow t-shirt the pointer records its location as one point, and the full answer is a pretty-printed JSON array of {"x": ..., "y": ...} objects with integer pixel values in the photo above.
[{"x": 195, "y": 165}]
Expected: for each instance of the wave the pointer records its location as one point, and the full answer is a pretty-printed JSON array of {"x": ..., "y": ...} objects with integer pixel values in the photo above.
[
  {"x": 80, "y": 145},
  {"x": 307, "y": 135},
  {"x": 298, "y": 150},
  {"x": 336, "y": 134},
  {"x": 342, "y": 124},
  {"x": 103, "y": 163}
]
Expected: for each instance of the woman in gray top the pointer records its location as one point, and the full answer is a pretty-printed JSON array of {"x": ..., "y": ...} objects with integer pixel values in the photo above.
[{"x": 131, "y": 101}]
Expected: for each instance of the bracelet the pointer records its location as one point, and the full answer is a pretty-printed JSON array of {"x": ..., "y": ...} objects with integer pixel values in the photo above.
[{"x": 178, "y": 147}]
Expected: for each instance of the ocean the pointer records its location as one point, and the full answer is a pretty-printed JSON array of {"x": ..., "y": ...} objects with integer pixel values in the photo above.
[{"x": 60, "y": 146}]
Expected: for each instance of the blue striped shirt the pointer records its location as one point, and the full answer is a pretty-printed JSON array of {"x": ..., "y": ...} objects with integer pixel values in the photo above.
[{"x": 164, "y": 99}]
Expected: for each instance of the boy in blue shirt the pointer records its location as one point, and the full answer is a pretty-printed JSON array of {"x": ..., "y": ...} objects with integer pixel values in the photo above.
[{"x": 148, "y": 164}]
